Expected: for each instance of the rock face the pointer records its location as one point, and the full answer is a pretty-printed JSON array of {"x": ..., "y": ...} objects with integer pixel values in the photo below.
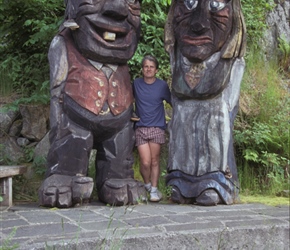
[
  {"x": 278, "y": 22},
  {"x": 7, "y": 118},
  {"x": 34, "y": 122},
  {"x": 23, "y": 129}
]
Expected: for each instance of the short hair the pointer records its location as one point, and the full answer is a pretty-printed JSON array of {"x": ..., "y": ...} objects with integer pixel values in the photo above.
[{"x": 152, "y": 59}]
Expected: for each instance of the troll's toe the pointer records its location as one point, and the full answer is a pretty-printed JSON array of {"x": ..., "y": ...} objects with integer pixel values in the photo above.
[
  {"x": 208, "y": 197},
  {"x": 119, "y": 192},
  {"x": 178, "y": 198}
]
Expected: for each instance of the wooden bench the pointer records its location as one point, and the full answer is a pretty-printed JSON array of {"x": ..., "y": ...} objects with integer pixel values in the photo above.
[{"x": 6, "y": 174}]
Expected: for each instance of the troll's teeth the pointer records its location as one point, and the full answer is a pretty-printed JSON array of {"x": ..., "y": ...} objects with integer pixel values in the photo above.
[{"x": 109, "y": 36}]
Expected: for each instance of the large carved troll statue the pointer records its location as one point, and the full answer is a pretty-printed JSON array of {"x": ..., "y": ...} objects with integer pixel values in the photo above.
[
  {"x": 206, "y": 43},
  {"x": 91, "y": 104}
]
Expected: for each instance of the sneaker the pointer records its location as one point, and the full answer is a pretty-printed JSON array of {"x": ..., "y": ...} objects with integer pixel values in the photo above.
[
  {"x": 155, "y": 196},
  {"x": 159, "y": 194},
  {"x": 71, "y": 24}
]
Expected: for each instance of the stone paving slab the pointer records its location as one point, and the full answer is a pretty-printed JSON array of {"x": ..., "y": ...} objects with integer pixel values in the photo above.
[{"x": 146, "y": 226}]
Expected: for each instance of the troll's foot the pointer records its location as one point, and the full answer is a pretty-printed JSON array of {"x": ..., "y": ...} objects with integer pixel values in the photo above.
[
  {"x": 119, "y": 192},
  {"x": 65, "y": 191}
]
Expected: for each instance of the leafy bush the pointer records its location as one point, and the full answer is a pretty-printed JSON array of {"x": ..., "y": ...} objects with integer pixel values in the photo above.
[
  {"x": 255, "y": 12},
  {"x": 27, "y": 28},
  {"x": 262, "y": 128},
  {"x": 284, "y": 49},
  {"x": 153, "y": 17},
  {"x": 5, "y": 82}
]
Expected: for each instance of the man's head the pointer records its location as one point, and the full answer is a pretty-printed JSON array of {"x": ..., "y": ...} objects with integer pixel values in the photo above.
[
  {"x": 109, "y": 30},
  {"x": 149, "y": 67},
  {"x": 152, "y": 59}
]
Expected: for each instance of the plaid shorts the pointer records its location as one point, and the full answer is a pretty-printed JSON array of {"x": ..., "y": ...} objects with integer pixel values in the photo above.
[{"x": 149, "y": 134}]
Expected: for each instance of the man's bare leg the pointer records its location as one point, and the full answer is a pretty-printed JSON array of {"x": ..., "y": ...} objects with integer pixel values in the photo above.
[
  {"x": 155, "y": 157},
  {"x": 145, "y": 162},
  {"x": 149, "y": 168}
]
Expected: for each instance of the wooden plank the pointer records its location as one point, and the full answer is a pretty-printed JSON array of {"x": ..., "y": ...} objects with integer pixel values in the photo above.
[
  {"x": 6, "y": 171},
  {"x": 6, "y": 191}
]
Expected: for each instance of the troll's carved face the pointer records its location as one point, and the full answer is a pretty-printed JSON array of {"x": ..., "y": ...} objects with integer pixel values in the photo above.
[
  {"x": 109, "y": 30},
  {"x": 201, "y": 27}
]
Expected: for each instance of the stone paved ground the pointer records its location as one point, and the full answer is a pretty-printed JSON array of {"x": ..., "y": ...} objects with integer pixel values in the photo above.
[{"x": 146, "y": 226}]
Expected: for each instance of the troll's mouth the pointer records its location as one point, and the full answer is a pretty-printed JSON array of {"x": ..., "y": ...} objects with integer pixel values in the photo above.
[
  {"x": 113, "y": 40},
  {"x": 197, "y": 41},
  {"x": 110, "y": 35}
]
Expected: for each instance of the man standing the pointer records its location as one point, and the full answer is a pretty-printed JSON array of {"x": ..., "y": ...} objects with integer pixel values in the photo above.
[{"x": 149, "y": 93}]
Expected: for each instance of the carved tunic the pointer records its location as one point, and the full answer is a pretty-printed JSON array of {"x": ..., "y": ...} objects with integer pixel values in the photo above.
[{"x": 203, "y": 143}]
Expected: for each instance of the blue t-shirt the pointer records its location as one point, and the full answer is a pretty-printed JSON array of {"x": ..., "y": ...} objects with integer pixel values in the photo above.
[{"x": 149, "y": 102}]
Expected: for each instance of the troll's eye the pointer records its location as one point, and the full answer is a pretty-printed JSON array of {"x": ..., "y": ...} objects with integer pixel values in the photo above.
[
  {"x": 190, "y": 4},
  {"x": 216, "y": 5}
]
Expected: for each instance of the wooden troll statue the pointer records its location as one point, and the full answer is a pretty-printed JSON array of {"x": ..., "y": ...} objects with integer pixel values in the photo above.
[
  {"x": 206, "y": 43},
  {"x": 91, "y": 104}
]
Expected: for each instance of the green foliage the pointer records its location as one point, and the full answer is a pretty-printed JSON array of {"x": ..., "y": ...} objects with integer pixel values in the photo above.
[
  {"x": 27, "y": 28},
  {"x": 284, "y": 48},
  {"x": 39, "y": 165},
  {"x": 263, "y": 167},
  {"x": 153, "y": 16},
  {"x": 136, "y": 166},
  {"x": 5, "y": 159},
  {"x": 28, "y": 154},
  {"x": 25, "y": 189},
  {"x": 258, "y": 139},
  {"x": 262, "y": 130},
  {"x": 7, "y": 243},
  {"x": 263, "y": 199},
  {"x": 65, "y": 243},
  {"x": 114, "y": 237},
  {"x": 5, "y": 83},
  {"x": 255, "y": 12},
  {"x": 165, "y": 190},
  {"x": 28, "y": 25}
]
